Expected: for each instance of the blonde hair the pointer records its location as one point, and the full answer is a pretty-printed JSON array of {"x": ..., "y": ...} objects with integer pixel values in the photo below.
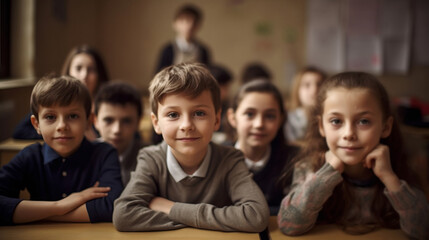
[
  {"x": 62, "y": 91},
  {"x": 294, "y": 98},
  {"x": 188, "y": 78}
]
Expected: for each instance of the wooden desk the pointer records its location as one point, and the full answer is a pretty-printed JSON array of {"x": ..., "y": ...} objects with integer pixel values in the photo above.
[
  {"x": 331, "y": 231},
  {"x": 83, "y": 231},
  {"x": 10, "y": 147}
]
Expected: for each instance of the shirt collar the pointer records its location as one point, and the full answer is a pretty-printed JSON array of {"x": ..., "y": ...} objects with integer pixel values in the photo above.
[
  {"x": 127, "y": 151},
  {"x": 49, "y": 154},
  {"x": 256, "y": 166},
  {"x": 177, "y": 172},
  {"x": 184, "y": 46}
]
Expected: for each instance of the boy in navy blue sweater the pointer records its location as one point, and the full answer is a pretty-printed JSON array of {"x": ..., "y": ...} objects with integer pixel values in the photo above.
[{"x": 69, "y": 178}]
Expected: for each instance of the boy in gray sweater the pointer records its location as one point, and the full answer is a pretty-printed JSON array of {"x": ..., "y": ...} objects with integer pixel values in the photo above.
[{"x": 187, "y": 181}]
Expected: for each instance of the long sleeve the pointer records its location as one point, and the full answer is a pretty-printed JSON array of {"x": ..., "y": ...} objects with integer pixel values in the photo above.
[
  {"x": 101, "y": 209},
  {"x": 132, "y": 212},
  {"x": 413, "y": 210},
  {"x": 248, "y": 213},
  {"x": 165, "y": 58},
  {"x": 300, "y": 208},
  {"x": 11, "y": 182}
]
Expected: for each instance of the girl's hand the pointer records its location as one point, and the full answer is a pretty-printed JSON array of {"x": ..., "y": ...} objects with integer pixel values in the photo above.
[
  {"x": 379, "y": 161},
  {"x": 75, "y": 200},
  {"x": 335, "y": 162}
]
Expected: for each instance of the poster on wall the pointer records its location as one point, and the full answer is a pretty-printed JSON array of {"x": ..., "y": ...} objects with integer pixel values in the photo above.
[
  {"x": 395, "y": 26},
  {"x": 325, "y": 38},
  {"x": 360, "y": 35},
  {"x": 363, "y": 42}
]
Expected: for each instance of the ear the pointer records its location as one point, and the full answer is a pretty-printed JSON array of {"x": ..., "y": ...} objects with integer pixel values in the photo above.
[
  {"x": 321, "y": 130},
  {"x": 35, "y": 124},
  {"x": 387, "y": 127},
  {"x": 231, "y": 118},
  {"x": 90, "y": 121},
  {"x": 96, "y": 124},
  {"x": 217, "y": 123},
  {"x": 155, "y": 124}
]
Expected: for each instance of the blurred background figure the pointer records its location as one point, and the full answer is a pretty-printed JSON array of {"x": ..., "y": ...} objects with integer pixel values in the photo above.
[
  {"x": 224, "y": 78},
  {"x": 185, "y": 48},
  {"x": 255, "y": 71},
  {"x": 84, "y": 63},
  {"x": 303, "y": 96}
]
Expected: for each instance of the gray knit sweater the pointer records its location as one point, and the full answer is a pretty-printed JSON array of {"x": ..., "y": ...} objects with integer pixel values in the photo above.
[{"x": 227, "y": 199}]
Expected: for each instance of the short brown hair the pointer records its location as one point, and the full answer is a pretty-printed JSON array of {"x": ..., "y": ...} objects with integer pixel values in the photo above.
[
  {"x": 188, "y": 78},
  {"x": 61, "y": 91},
  {"x": 189, "y": 10}
]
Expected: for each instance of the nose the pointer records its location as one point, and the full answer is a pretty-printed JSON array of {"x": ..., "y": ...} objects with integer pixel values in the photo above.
[
  {"x": 83, "y": 74},
  {"x": 258, "y": 122},
  {"x": 62, "y": 124},
  {"x": 186, "y": 123},
  {"x": 116, "y": 128},
  {"x": 349, "y": 132}
]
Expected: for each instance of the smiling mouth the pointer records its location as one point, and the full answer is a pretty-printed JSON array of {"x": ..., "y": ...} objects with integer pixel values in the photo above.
[
  {"x": 188, "y": 139},
  {"x": 63, "y": 139},
  {"x": 351, "y": 148},
  {"x": 258, "y": 135}
]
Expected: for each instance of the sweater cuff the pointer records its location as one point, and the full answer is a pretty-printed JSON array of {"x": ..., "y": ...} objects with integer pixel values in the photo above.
[
  {"x": 331, "y": 176},
  {"x": 185, "y": 213},
  {"x": 402, "y": 199}
]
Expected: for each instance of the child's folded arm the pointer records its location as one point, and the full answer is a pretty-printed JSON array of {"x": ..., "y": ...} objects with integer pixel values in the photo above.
[
  {"x": 248, "y": 213},
  {"x": 131, "y": 209},
  {"x": 300, "y": 208},
  {"x": 12, "y": 181},
  {"x": 413, "y": 209},
  {"x": 101, "y": 209}
]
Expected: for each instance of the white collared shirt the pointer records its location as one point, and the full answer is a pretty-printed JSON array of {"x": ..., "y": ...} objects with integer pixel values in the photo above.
[
  {"x": 177, "y": 172},
  {"x": 256, "y": 166},
  {"x": 185, "y": 46}
]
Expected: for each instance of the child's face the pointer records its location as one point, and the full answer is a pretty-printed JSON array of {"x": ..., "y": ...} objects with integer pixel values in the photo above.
[
  {"x": 257, "y": 119},
  {"x": 352, "y": 123},
  {"x": 187, "y": 124},
  {"x": 62, "y": 127},
  {"x": 308, "y": 88},
  {"x": 83, "y": 67},
  {"x": 117, "y": 124},
  {"x": 185, "y": 26}
]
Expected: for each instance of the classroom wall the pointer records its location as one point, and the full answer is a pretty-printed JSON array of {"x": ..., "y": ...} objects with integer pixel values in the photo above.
[
  {"x": 60, "y": 25},
  {"x": 129, "y": 34}
]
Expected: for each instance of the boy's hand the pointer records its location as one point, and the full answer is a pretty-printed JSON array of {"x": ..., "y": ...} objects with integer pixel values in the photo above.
[
  {"x": 75, "y": 200},
  {"x": 335, "y": 162},
  {"x": 161, "y": 204},
  {"x": 379, "y": 161}
]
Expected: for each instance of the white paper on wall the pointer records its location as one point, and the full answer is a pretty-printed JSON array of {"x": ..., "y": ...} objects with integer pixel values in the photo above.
[{"x": 325, "y": 37}]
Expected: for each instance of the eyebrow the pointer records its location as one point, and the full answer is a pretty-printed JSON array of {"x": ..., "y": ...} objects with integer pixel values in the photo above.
[
  {"x": 265, "y": 110},
  {"x": 196, "y": 106},
  {"x": 360, "y": 113}
]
